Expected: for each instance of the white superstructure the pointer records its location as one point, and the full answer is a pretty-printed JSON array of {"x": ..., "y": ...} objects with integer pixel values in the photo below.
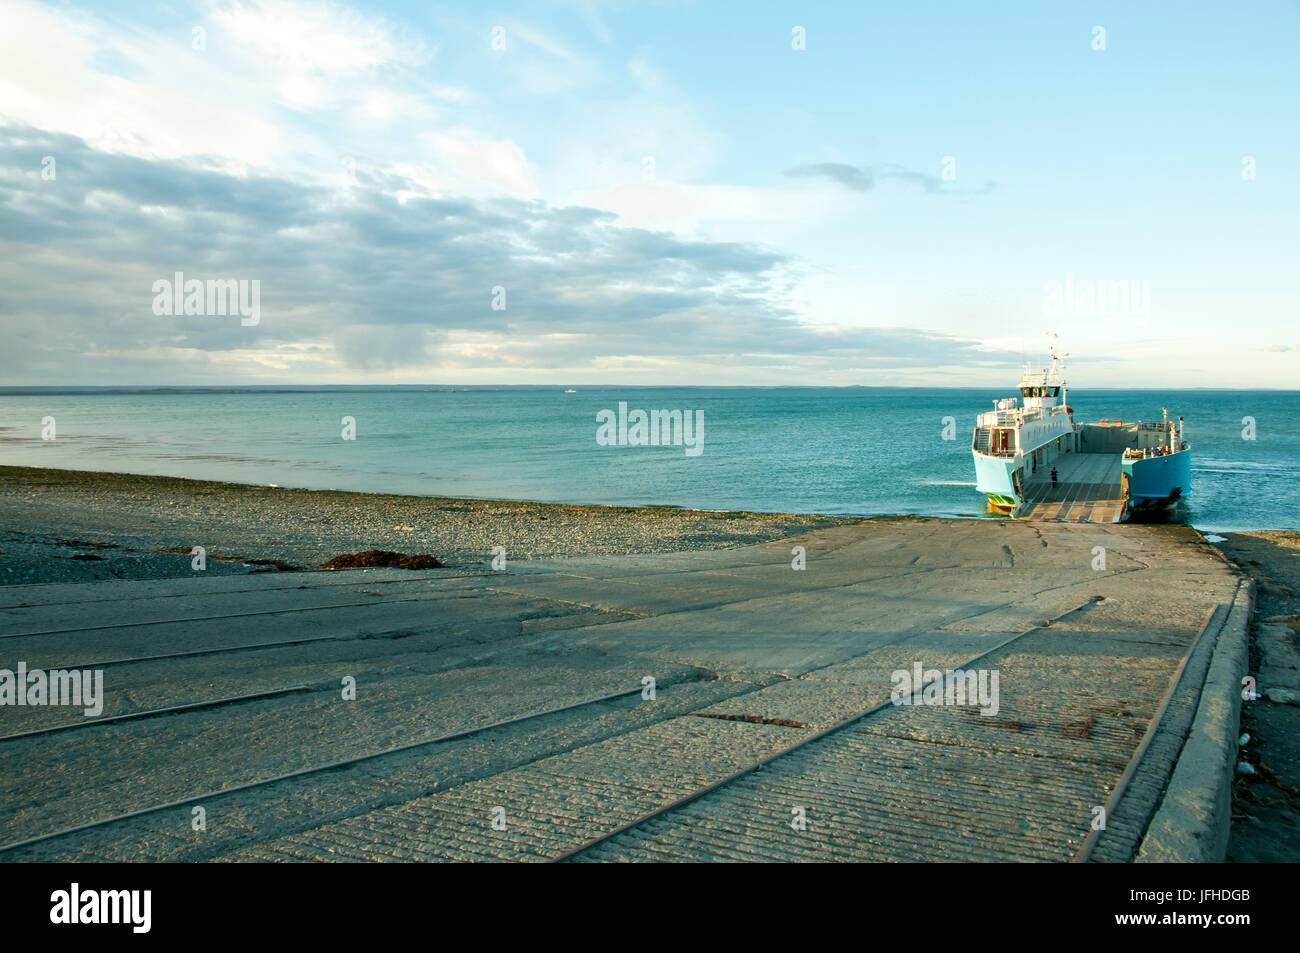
[{"x": 1017, "y": 437}]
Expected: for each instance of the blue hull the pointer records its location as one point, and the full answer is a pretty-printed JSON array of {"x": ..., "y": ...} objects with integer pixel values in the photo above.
[
  {"x": 993, "y": 478},
  {"x": 1156, "y": 482}
]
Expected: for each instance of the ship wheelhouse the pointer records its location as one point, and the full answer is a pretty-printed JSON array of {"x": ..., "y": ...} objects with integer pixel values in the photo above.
[{"x": 1040, "y": 390}]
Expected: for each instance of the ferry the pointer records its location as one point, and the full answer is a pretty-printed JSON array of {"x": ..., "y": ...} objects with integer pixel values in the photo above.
[{"x": 1033, "y": 461}]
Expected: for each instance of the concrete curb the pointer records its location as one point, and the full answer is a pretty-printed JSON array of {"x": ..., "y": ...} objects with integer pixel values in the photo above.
[{"x": 1194, "y": 817}]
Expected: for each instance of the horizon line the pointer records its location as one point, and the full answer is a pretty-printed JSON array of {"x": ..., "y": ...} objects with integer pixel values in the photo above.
[{"x": 17, "y": 389}]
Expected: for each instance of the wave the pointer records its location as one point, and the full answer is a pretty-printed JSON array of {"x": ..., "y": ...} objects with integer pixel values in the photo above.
[{"x": 1240, "y": 465}]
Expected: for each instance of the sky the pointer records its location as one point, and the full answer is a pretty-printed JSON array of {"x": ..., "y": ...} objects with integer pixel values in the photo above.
[{"x": 652, "y": 193}]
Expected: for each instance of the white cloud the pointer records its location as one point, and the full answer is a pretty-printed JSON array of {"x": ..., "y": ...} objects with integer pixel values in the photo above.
[
  {"x": 500, "y": 164},
  {"x": 313, "y": 52},
  {"x": 146, "y": 91},
  {"x": 162, "y": 109}
]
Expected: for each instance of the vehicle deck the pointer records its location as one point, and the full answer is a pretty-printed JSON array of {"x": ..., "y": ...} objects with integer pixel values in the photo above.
[{"x": 1087, "y": 490}]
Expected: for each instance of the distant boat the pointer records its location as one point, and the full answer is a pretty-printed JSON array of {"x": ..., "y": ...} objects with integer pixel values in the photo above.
[
  {"x": 1033, "y": 461},
  {"x": 570, "y": 391}
]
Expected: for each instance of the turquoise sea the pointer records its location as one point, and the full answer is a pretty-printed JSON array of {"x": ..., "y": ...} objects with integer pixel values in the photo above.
[{"x": 861, "y": 451}]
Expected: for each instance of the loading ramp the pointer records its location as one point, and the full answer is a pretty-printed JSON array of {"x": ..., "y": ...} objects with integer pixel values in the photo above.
[{"x": 1089, "y": 489}]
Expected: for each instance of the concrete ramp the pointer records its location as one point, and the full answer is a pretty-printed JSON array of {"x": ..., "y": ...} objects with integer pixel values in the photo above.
[
  {"x": 1088, "y": 490},
  {"x": 524, "y": 688}
]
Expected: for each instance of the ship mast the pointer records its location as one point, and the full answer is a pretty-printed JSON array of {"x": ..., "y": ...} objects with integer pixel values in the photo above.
[{"x": 1058, "y": 365}]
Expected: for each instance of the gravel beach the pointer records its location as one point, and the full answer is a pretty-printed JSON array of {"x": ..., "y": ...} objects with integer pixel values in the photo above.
[{"x": 75, "y": 525}]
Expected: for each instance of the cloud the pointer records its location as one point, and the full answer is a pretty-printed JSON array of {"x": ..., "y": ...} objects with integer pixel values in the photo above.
[
  {"x": 864, "y": 178},
  {"x": 385, "y": 346},
  {"x": 272, "y": 84},
  {"x": 849, "y": 176},
  {"x": 377, "y": 277},
  {"x": 127, "y": 90},
  {"x": 314, "y": 52},
  {"x": 501, "y": 164}
]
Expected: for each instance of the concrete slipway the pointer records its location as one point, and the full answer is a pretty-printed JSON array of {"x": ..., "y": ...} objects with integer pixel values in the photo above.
[{"x": 502, "y": 715}]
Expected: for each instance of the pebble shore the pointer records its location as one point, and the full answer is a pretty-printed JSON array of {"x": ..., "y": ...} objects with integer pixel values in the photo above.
[{"x": 75, "y": 525}]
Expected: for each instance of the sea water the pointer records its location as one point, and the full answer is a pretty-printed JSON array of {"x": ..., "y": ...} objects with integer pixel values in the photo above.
[{"x": 845, "y": 451}]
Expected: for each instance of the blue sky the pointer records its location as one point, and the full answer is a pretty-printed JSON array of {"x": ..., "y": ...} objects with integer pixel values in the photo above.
[{"x": 668, "y": 192}]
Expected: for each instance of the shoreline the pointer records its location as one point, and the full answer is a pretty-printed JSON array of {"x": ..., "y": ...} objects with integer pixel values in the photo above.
[
  {"x": 83, "y": 525},
  {"x": 145, "y": 525},
  {"x": 8, "y": 470},
  {"x": 451, "y": 498},
  {"x": 105, "y": 476}
]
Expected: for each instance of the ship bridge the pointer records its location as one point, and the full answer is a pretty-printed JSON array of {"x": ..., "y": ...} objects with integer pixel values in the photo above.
[{"x": 1042, "y": 389}]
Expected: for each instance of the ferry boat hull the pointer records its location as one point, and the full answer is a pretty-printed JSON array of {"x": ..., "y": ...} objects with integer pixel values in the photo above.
[
  {"x": 1156, "y": 483},
  {"x": 995, "y": 478}
]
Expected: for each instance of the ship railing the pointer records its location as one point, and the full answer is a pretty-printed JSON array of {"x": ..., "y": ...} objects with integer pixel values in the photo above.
[
  {"x": 998, "y": 418},
  {"x": 1147, "y": 453},
  {"x": 1010, "y": 418}
]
